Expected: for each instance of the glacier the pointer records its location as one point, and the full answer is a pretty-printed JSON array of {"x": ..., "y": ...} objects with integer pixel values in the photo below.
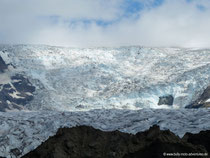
[
  {"x": 22, "y": 132},
  {"x": 122, "y": 78},
  {"x": 107, "y": 88}
]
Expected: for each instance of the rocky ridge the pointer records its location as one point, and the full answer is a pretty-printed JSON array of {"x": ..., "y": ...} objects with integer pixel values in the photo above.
[
  {"x": 87, "y": 142},
  {"x": 203, "y": 100},
  {"x": 15, "y": 88}
]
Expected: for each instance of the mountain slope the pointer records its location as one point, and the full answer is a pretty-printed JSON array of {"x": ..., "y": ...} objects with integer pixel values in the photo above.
[{"x": 122, "y": 78}]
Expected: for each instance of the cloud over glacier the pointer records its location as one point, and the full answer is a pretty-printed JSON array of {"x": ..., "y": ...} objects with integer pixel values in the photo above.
[{"x": 86, "y": 23}]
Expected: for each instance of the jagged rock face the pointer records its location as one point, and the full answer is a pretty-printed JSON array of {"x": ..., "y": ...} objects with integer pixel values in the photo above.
[
  {"x": 87, "y": 142},
  {"x": 203, "y": 100},
  {"x": 16, "y": 94},
  {"x": 15, "y": 91},
  {"x": 166, "y": 100},
  {"x": 3, "y": 65},
  {"x": 202, "y": 138}
]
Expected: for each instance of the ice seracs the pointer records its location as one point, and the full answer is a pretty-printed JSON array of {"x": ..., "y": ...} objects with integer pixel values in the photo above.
[{"x": 123, "y": 78}]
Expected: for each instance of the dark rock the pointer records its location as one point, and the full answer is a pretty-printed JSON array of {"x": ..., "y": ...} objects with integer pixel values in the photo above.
[
  {"x": 202, "y": 100},
  {"x": 202, "y": 138},
  {"x": 23, "y": 85},
  {"x": 16, "y": 152},
  {"x": 80, "y": 106},
  {"x": 7, "y": 86},
  {"x": 16, "y": 94},
  {"x": 166, "y": 100},
  {"x": 87, "y": 142},
  {"x": 3, "y": 65}
]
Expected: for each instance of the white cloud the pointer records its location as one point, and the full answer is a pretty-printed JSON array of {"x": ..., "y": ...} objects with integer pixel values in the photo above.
[
  {"x": 93, "y": 9},
  {"x": 174, "y": 23}
]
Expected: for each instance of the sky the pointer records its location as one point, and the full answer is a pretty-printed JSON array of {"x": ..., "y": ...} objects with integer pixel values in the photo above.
[{"x": 96, "y": 23}]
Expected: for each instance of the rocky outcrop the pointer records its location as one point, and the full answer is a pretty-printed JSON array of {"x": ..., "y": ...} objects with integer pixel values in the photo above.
[
  {"x": 166, "y": 100},
  {"x": 202, "y": 138},
  {"x": 203, "y": 100},
  {"x": 3, "y": 65},
  {"x": 17, "y": 92},
  {"x": 87, "y": 142}
]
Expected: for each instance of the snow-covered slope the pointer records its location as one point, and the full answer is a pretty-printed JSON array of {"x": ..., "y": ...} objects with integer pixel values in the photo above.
[{"x": 123, "y": 78}]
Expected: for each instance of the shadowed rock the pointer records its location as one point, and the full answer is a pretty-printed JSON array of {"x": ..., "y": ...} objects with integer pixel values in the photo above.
[
  {"x": 202, "y": 101},
  {"x": 15, "y": 94},
  {"x": 202, "y": 138},
  {"x": 3, "y": 65},
  {"x": 166, "y": 100},
  {"x": 87, "y": 142}
]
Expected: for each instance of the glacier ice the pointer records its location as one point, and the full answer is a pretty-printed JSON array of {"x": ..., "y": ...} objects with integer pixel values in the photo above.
[
  {"x": 107, "y": 88},
  {"x": 24, "y": 131},
  {"x": 122, "y": 78}
]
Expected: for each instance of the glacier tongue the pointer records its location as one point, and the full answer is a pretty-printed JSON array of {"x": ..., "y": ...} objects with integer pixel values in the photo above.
[
  {"x": 24, "y": 131},
  {"x": 122, "y": 78}
]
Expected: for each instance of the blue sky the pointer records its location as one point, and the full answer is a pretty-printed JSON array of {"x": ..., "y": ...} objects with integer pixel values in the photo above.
[
  {"x": 87, "y": 23},
  {"x": 129, "y": 8}
]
